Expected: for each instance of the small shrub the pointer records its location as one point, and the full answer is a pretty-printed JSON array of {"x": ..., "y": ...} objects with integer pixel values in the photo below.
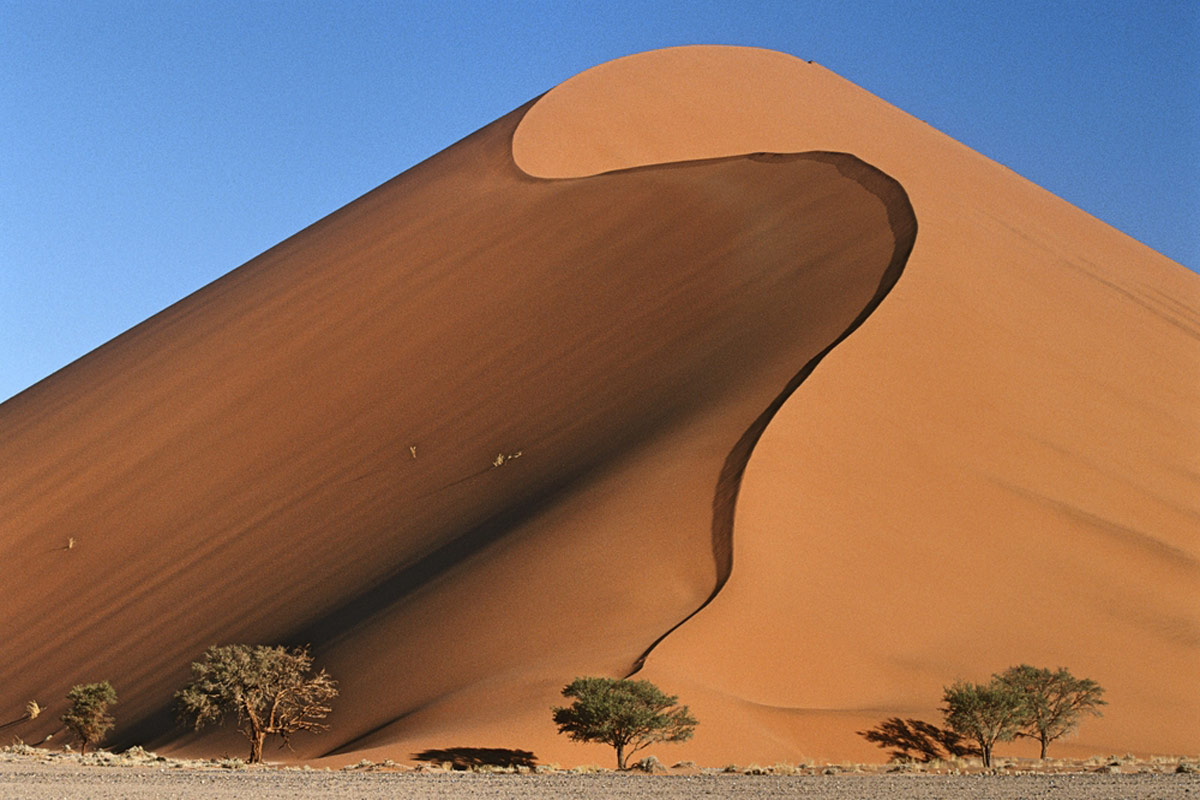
[
  {"x": 489, "y": 769},
  {"x": 650, "y": 764}
]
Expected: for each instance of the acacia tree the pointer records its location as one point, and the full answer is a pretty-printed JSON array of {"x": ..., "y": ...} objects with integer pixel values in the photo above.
[
  {"x": 1054, "y": 701},
  {"x": 268, "y": 690},
  {"x": 628, "y": 715},
  {"x": 986, "y": 713},
  {"x": 88, "y": 716}
]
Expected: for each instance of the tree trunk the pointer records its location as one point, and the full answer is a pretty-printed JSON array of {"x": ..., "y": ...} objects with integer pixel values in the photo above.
[
  {"x": 1044, "y": 743},
  {"x": 987, "y": 756},
  {"x": 620, "y": 756},
  {"x": 256, "y": 746},
  {"x": 83, "y": 747}
]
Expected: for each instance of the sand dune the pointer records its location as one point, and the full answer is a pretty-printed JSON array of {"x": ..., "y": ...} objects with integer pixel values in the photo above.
[{"x": 485, "y": 428}]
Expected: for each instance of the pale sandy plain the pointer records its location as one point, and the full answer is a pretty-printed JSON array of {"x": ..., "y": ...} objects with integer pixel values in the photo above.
[
  {"x": 565, "y": 399},
  {"x": 41, "y": 774}
]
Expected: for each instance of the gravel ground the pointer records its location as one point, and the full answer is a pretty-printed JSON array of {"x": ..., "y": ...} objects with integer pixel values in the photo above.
[{"x": 41, "y": 780}]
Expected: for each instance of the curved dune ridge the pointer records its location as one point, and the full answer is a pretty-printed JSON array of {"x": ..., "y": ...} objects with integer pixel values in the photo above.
[
  {"x": 557, "y": 402},
  {"x": 1002, "y": 466},
  {"x": 398, "y": 434}
]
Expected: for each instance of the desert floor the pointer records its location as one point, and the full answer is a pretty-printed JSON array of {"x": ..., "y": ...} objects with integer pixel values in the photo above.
[
  {"x": 45, "y": 781},
  {"x": 38, "y": 774}
]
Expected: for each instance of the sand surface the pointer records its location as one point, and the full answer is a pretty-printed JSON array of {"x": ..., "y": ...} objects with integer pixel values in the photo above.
[{"x": 706, "y": 364}]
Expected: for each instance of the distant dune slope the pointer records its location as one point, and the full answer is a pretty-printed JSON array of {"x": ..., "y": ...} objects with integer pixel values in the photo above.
[
  {"x": 484, "y": 429},
  {"x": 1003, "y": 465},
  {"x": 463, "y": 434}
]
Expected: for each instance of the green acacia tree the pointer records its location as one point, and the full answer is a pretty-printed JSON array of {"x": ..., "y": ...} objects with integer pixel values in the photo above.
[
  {"x": 88, "y": 717},
  {"x": 984, "y": 713},
  {"x": 268, "y": 690},
  {"x": 627, "y": 715},
  {"x": 1055, "y": 702}
]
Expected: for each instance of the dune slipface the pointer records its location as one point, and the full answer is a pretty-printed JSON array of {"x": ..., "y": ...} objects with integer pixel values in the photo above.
[{"x": 549, "y": 404}]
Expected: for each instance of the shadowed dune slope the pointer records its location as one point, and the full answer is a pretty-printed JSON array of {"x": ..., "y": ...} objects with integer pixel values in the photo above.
[
  {"x": 1002, "y": 466},
  {"x": 463, "y": 436}
]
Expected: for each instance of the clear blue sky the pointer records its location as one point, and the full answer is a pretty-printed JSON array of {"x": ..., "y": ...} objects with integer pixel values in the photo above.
[{"x": 146, "y": 148}]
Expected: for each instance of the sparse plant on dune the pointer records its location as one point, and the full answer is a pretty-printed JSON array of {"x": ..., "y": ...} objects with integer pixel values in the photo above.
[
  {"x": 88, "y": 717},
  {"x": 268, "y": 689},
  {"x": 625, "y": 714},
  {"x": 503, "y": 458},
  {"x": 32, "y": 710}
]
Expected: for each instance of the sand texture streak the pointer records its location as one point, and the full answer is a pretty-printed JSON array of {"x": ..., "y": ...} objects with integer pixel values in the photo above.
[{"x": 655, "y": 374}]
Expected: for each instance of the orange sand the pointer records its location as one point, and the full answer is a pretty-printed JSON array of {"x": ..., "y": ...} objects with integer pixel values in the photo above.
[{"x": 1001, "y": 465}]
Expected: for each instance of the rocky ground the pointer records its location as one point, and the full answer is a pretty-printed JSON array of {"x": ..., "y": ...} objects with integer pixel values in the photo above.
[{"x": 37, "y": 774}]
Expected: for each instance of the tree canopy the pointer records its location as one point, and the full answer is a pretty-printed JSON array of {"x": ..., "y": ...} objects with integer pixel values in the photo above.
[
  {"x": 88, "y": 717},
  {"x": 625, "y": 714},
  {"x": 985, "y": 713},
  {"x": 1055, "y": 702},
  {"x": 268, "y": 690}
]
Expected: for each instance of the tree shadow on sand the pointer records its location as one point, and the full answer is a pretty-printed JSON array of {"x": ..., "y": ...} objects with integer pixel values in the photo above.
[
  {"x": 918, "y": 740},
  {"x": 467, "y": 757}
]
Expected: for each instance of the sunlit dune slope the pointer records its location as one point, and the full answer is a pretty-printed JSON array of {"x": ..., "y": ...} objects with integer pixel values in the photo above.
[
  {"x": 463, "y": 436},
  {"x": 1002, "y": 466}
]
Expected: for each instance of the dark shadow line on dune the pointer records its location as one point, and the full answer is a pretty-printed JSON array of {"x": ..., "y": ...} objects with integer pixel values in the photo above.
[
  {"x": 348, "y": 745},
  {"x": 155, "y": 726},
  {"x": 338, "y": 623},
  {"x": 903, "y": 223},
  {"x": 341, "y": 621}
]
